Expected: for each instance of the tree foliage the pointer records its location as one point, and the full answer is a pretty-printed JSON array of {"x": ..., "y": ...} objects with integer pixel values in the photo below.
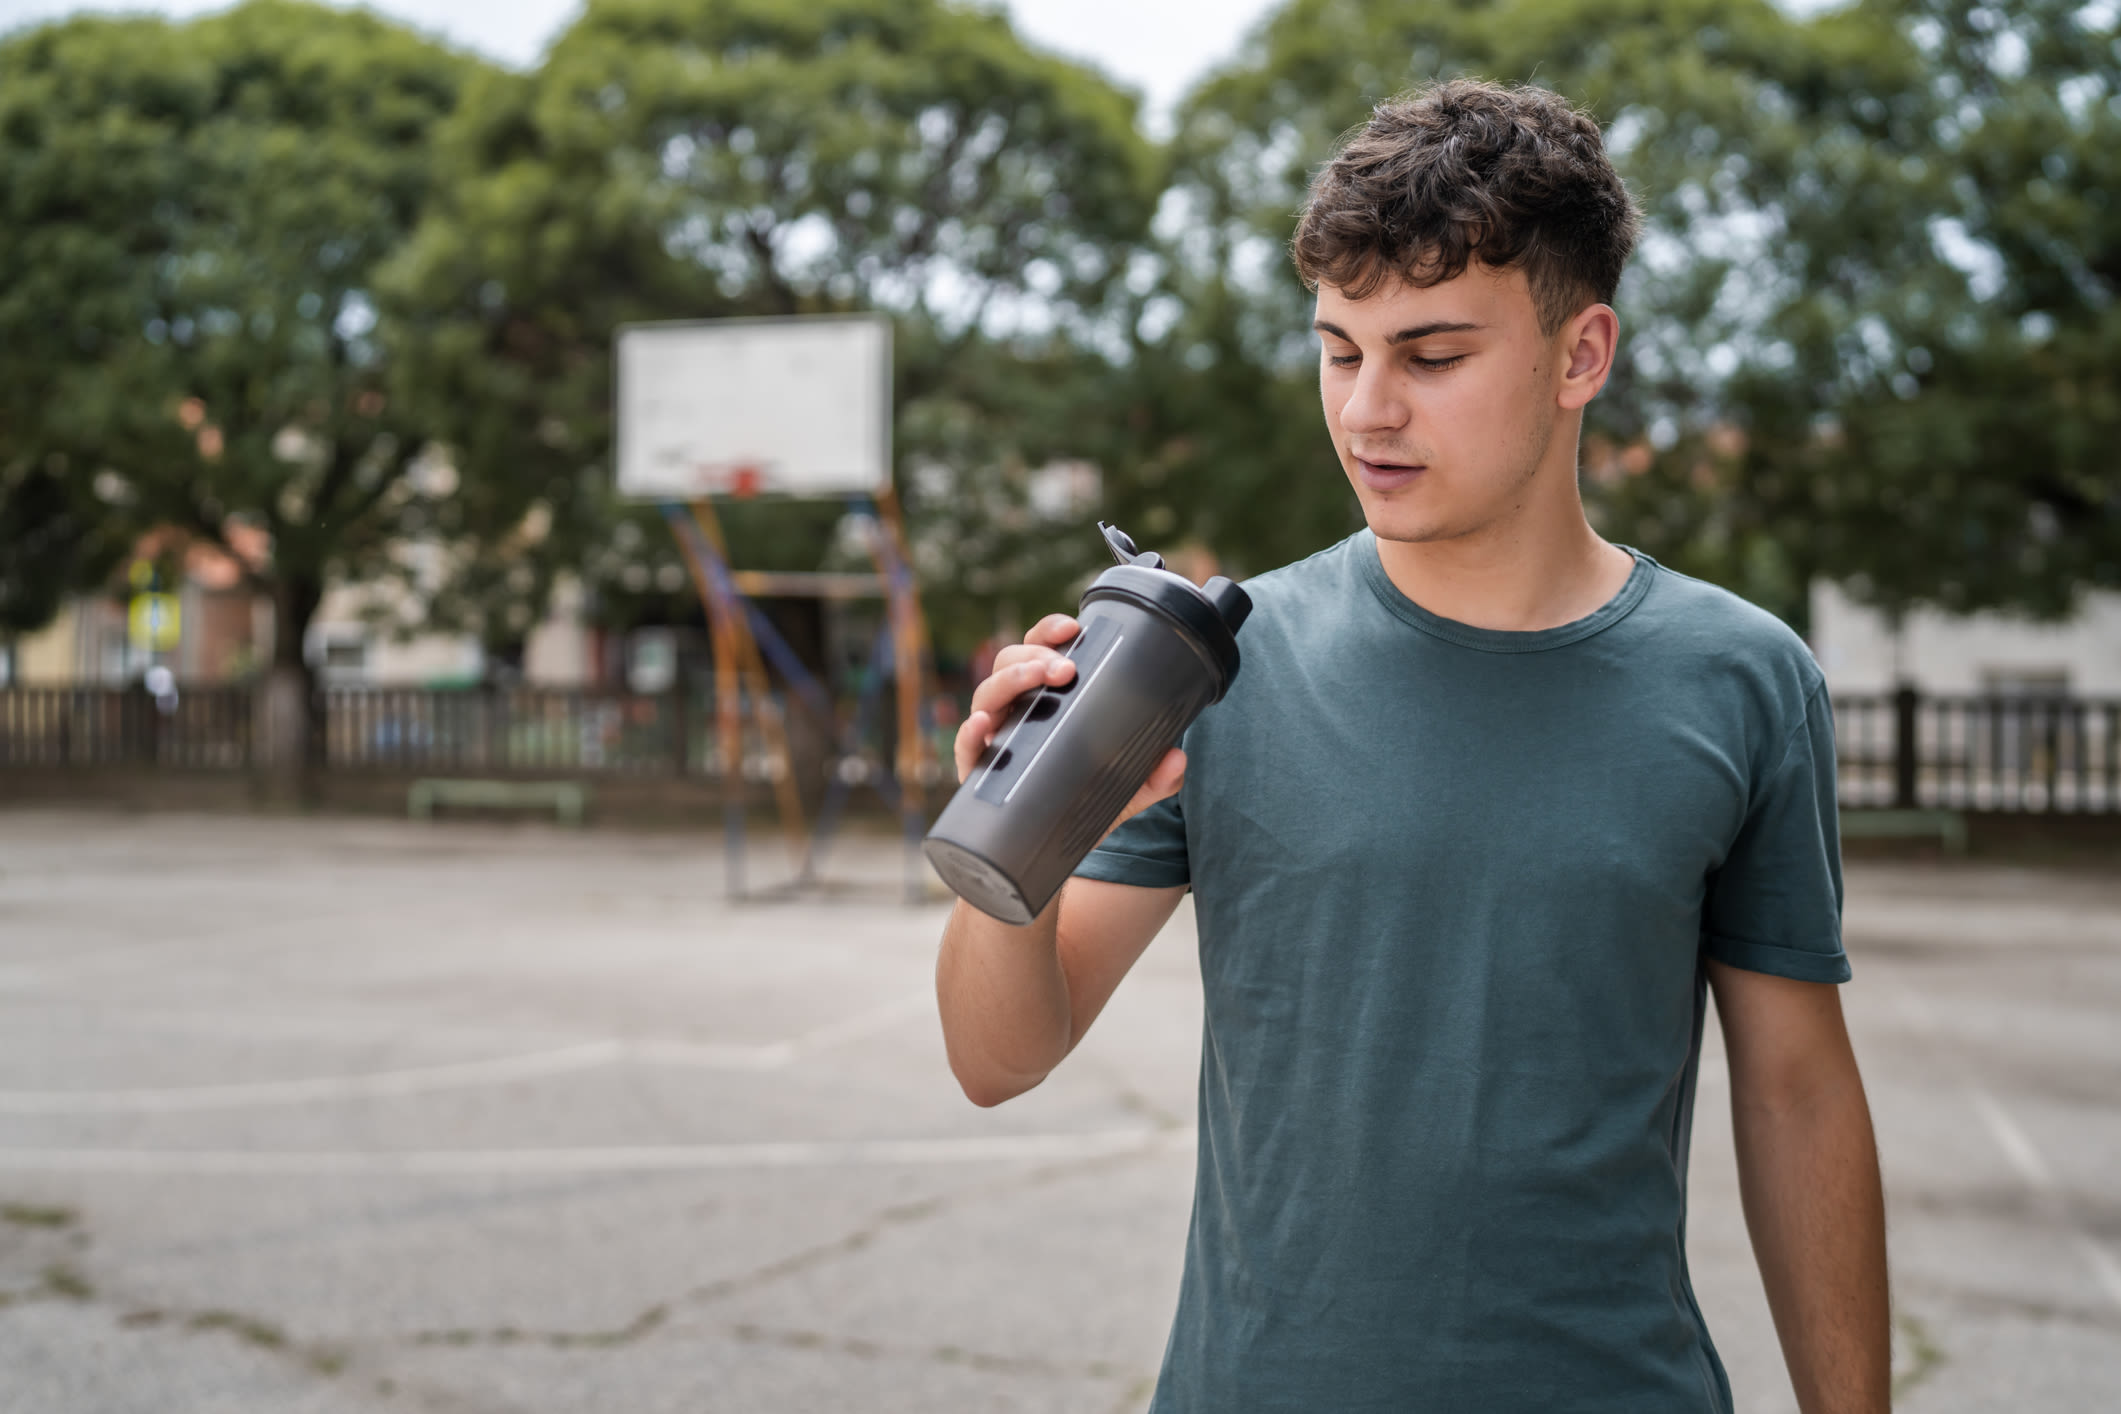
[
  {"x": 1956, "y": 358},
  {"x": 705, "y": 158},
  {"x": 262, "y": 266},
  {"x": 195, "y": 217}
]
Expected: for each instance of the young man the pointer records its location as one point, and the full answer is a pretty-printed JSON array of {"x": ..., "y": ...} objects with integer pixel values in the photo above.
[{"x": 1490, "y": 808}]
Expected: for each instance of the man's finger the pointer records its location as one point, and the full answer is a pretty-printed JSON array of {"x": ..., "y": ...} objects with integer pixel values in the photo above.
[
  {"x": 1052, "y": 630},
  {"x": 1006, "y": 685},
  {"x": 971, "y": 741},
  {"x": 1020, "y": 653},
  {"x": 1170, "y": 773},
  {"x": 997, "y": 692}
]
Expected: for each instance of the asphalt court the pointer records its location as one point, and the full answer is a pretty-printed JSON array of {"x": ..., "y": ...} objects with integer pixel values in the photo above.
[{"x": 366, "y": 1115}]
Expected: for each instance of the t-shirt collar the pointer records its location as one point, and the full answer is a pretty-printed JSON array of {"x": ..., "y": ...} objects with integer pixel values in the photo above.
[{"x": 1495, "y": 640}]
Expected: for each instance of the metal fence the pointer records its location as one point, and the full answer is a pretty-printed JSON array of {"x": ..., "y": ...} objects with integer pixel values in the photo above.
[
  {"x": 515, "y": 730},
  {"x": 2026, "y": 755},
  {"x": 2010, "y": 754},
  {"x": 490, "y": 731},
  {"x": 203, "y": 728}
]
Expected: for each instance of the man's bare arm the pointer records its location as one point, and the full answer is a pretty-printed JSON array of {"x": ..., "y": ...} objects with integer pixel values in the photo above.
[
  {"x": 1808, "y": 1175},
  {"x": 1016, "y": 1000}
]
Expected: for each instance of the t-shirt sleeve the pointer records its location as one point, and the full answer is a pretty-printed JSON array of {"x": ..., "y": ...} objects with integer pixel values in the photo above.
[
  {"x": 1775, "y": 904},
  {"x": 1148, "y": 851}
]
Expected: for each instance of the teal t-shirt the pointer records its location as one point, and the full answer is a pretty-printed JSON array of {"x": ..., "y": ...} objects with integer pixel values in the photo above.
[{"x": 1455, "y": 888}]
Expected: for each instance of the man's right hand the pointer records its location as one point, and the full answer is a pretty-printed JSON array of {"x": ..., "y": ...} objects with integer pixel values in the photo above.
[
  {"x": 1025, "y": 667},
  {"x": 1015, "y": 1001}
]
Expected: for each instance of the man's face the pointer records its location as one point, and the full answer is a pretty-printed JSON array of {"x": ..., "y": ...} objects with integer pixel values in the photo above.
[{"x": 1441, "y": 401}]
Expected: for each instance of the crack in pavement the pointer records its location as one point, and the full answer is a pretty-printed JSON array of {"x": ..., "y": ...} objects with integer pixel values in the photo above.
[
  {"x": 1995, "y": 1303},
  {"x": 64, "y": 1283},
  {"x": 937, "y": 1354},
  {"x": 1923, "y": 1355},
  {"x": 37, "y": 1215},
  {"x": 1137, "y": 1396},
  {"x": 658, "y": 1315},
  {"x": 59, "y": 1280},
  {"x": 640, "y": 1326}
]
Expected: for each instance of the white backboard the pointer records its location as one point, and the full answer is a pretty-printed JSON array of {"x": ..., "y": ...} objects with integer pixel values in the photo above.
[{"x": 790, "y": 407}]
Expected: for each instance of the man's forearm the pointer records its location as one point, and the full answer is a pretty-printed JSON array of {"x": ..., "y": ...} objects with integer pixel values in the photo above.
[
  {"x": 1808, "y": 1171},
  {"x": 1004, "y": 1001}
]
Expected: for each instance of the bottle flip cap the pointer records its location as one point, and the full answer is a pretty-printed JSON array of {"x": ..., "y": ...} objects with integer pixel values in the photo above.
[
  {"x": 1210, "y": 613},
  {"x": 1121, "y": 545}
]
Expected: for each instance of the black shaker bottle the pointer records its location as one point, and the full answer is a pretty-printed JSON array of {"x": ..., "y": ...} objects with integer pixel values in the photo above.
[{"x": 1153, "y": 651}]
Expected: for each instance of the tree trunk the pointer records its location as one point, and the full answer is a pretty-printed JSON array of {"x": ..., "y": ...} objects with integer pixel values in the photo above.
[{"x": 289, "y": 711}]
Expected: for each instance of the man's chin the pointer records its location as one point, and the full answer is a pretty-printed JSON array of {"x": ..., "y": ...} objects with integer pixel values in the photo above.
[{"x": 1402, "y": 526}]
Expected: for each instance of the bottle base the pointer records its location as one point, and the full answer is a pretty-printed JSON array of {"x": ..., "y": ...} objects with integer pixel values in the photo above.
[{"x": 975, "y": 879}]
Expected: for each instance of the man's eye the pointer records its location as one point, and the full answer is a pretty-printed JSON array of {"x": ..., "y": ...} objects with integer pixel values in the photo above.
[
  {"x": 1437, "y": 365},
  {"x": 1343, "y": 360}
]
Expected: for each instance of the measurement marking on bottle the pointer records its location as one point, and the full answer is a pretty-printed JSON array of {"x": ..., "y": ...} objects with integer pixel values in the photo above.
[
  {"x": 1062, "y": 720},
  {"x": 998, "y": 749}
]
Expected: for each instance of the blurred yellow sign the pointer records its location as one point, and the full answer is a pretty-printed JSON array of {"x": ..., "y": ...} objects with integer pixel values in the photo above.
[{"x": 151, "y": 621}]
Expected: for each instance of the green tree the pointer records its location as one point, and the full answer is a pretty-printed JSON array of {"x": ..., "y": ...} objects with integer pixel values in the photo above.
[
  {"x": 194, "y": 219},
  {"x": 55, "y": 543},
  {"x": 705, "y": 158},
  {"x": 1954, "y": 355}
]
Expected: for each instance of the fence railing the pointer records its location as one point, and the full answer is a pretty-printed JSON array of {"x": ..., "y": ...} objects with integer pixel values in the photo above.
[
  {"x": 516, "y": 729},
  {"x": 2013, "y": 754},
  {"x": 203, "y": 728},
  {"x": 2040, "y": 755},
  {"x": 448, "y": 730}
]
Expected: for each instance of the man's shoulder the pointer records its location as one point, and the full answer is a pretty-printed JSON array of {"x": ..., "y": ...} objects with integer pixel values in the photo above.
[
  {"x": 1711, "y": 613},
  {"x": 1326, "y": 570},
  {"x": 1705, "y": 628},
  {"x": 1302, "y": 591}
]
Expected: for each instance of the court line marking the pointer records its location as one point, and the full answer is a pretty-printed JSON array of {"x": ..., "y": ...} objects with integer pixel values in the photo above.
[
  {"x": 500, "y": 1070},
  {"x": 2016, "y": 1144},
  {"x": 859, "y": 1027},
  {"x": 2102, "y": 1264},
  {"x": 2021, "y": 1154},
  {"x": 665, "y": 1158}
]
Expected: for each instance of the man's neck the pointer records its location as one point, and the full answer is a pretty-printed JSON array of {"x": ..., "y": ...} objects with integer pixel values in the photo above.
[{"x": 1539, "y": 568}]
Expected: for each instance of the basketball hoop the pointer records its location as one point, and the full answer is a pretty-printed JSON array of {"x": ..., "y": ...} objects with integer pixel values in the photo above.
[{"x": 754, "y": 408}]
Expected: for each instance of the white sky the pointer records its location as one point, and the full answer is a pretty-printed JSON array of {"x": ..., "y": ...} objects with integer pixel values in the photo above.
[{"x": 1156, "y": 46}]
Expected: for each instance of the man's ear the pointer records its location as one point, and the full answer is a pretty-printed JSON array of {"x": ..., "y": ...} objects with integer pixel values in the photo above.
[{"x": 1588, "y": 343}]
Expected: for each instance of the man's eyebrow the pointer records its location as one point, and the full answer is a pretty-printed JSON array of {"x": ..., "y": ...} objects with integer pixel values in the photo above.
[
  {"x": 1404, "y": 336},
  {"x": 1422, "y": 331}
]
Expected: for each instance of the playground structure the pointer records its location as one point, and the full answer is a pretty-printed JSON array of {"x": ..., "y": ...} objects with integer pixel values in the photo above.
[{"x": 786, "y": 408}]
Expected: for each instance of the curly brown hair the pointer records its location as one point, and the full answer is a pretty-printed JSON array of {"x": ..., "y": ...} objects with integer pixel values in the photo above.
[{"x": 1470, "y": 170}]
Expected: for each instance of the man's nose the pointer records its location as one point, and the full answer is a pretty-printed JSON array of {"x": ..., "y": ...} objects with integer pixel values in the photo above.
[{"x": 1374, "y": 405}]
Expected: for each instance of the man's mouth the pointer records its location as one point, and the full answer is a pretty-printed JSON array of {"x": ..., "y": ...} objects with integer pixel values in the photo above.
[{"x": 1387, "y": 476}]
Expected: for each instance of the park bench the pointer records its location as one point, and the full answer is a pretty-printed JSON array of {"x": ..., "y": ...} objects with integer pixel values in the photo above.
[
  {"x": 567, "y": 799},
  {"x": 1949, "y": 826}
]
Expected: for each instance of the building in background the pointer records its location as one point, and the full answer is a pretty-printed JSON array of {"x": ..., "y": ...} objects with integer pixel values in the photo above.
[
  {"x": 1975, "y": 655},
  {"x": 563, "y": 649},
  {"x": 225, "y": 632}
]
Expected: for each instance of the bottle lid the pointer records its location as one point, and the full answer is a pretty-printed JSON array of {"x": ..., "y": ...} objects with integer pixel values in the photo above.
[{"x": 1209, "y": 614}]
